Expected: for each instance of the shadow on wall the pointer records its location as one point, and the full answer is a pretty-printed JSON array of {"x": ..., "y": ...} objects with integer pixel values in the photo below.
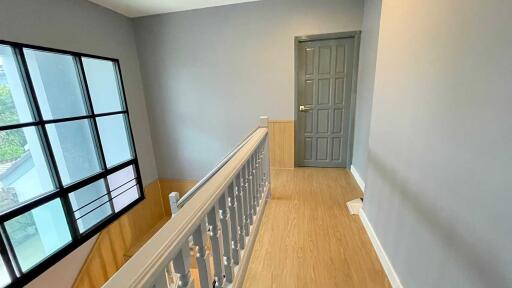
[{"x": 475, "y": 258}]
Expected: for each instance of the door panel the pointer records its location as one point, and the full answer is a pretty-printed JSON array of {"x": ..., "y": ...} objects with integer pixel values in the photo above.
[
  {"x": 339, "y": 91},
  {"x": 309, "y": 61},
  {"x": 322, "y": 148},
  {"x": 336, "y": 148},
  {"x": 324, "y": 89},
  {"x": 308, "y": 150},
  {"x": 340, "y": 58},
  {"x": 322, "y": 121},
  {"x": 309, "y": 89},
  {"x": 337, "y": 121},
  {"x": 324, "y": 60}
]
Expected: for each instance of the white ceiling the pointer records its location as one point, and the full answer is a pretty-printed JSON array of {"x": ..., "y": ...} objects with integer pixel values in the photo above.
[{"x": 137, "y": 8}]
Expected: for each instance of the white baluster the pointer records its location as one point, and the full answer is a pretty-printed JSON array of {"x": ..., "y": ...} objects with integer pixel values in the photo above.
[
  {"x": 248, "y": 188},
  {"x": 267, "y": 167},
  {"x": 217, "y": 253},
  {"x": 258, "y": 172},
  {"x": 255, "y": 181},
  {"x": 161, "y": 280},
  {"x": 203, "y": 263},
  {"x": 233, "y": 214},
  {"x": 241, "y": 208},
  {"x": 181, "y": 265},
  {"x": 255, "y": 171},
  {"x": 262, "y": 169},
  {"x": 226, "y": 237},
  {"x": 253, "y": 184}
]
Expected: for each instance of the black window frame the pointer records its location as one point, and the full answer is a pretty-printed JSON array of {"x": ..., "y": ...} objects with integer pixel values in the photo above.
[{"x": 18, "y": 277}]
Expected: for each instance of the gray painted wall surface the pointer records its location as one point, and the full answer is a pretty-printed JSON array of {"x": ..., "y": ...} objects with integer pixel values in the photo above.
[
  {"x": 439, "y": 178},
  {"x": 365, "y": 84},
  {"x": 210, "y": 73},
  {"x": 82, "y": 26},
  {"x": 79, "y": 25}
]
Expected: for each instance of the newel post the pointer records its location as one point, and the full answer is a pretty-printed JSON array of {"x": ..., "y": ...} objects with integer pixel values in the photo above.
[
  {"x": 174, "y": 197},
  {"x": 266, "y": 156},
  {"x": 263, "y": 121}
]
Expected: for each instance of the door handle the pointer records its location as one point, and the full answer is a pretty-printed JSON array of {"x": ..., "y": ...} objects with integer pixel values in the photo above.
[{"x": 303, "y": 108}]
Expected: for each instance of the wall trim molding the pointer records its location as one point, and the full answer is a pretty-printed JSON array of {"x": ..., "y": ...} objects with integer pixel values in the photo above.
[
  {"x": 383, "y": 257},
  {"x": 357, "y": 177},
  {"x": 281, "y": 143}
]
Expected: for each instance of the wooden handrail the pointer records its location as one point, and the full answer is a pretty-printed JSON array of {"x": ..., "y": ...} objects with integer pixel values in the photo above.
[{"x": 246, "y": 175}]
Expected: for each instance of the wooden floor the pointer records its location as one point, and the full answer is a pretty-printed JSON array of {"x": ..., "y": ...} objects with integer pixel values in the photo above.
[{"x": 307, "y": 237}]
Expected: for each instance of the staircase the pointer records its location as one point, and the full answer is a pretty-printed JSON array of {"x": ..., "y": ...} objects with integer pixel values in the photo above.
[
  {"x": 210, "y": 238},
  {"x": 117, "y": 243}
]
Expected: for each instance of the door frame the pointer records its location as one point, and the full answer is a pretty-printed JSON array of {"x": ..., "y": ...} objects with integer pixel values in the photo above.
[{"x": 355, "y": 67}]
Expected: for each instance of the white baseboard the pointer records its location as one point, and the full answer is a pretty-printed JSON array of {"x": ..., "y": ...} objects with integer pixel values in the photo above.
[
  {"x": 383, "y": 257},
  {"x": 358, "y": 178}
]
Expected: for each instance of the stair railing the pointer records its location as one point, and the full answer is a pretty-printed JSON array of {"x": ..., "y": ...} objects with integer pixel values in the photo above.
[{"x": 224, "y": 214}]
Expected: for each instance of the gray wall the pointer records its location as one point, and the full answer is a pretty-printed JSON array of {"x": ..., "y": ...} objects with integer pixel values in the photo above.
[
  {"x": 210, "y": 73},
  {"x": 365, "y": 84},
  {"x": 81, "y": 26},
  {"x": 439, "y": 177}
]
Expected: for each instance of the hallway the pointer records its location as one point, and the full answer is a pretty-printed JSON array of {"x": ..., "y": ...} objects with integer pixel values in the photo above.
[{"x": 307, "y": 237}]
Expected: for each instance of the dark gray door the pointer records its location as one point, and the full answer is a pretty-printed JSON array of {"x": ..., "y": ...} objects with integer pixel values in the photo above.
[{"x": 323, "y": 102}]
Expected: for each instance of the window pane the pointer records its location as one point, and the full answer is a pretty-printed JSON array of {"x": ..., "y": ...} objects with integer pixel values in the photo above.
[
  {"x": 90, "y": 205},
  {"x": 37, "y": 234},
  {"x": 24, "y": 172},
  {"x": 123, "y": 187},
  {"x": 74, "y": 150},
  {"x": 4, "y": 275},
  {"x": 114, "y": 139},
  {"x": 13, "y": 97},
  {"x": 56, "y": 82},
  {"x": 103, "y": 85},
  {"x": 125, "y": 196}
]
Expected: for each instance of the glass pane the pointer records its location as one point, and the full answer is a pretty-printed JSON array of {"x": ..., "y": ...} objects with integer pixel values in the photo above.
[
  {"x": 24, "y": 172},
  {"x": 103, "y": 85},
  {"x": 114, "y": 139},
  {"x": 123, "y": 187},
  {"x": 90, "y": 205},
  {"x": 74, "y": 150},
  {"x": 5, "y": 279},
  {"x": 13, "y": 97},
  {"x": 125, "y": 196},
  {"x": 57, "y": 84},
  {"x": 37, "y": 234}
]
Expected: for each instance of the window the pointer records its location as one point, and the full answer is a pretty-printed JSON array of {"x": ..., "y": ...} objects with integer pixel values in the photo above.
[{"x": 68, "y": 165}]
